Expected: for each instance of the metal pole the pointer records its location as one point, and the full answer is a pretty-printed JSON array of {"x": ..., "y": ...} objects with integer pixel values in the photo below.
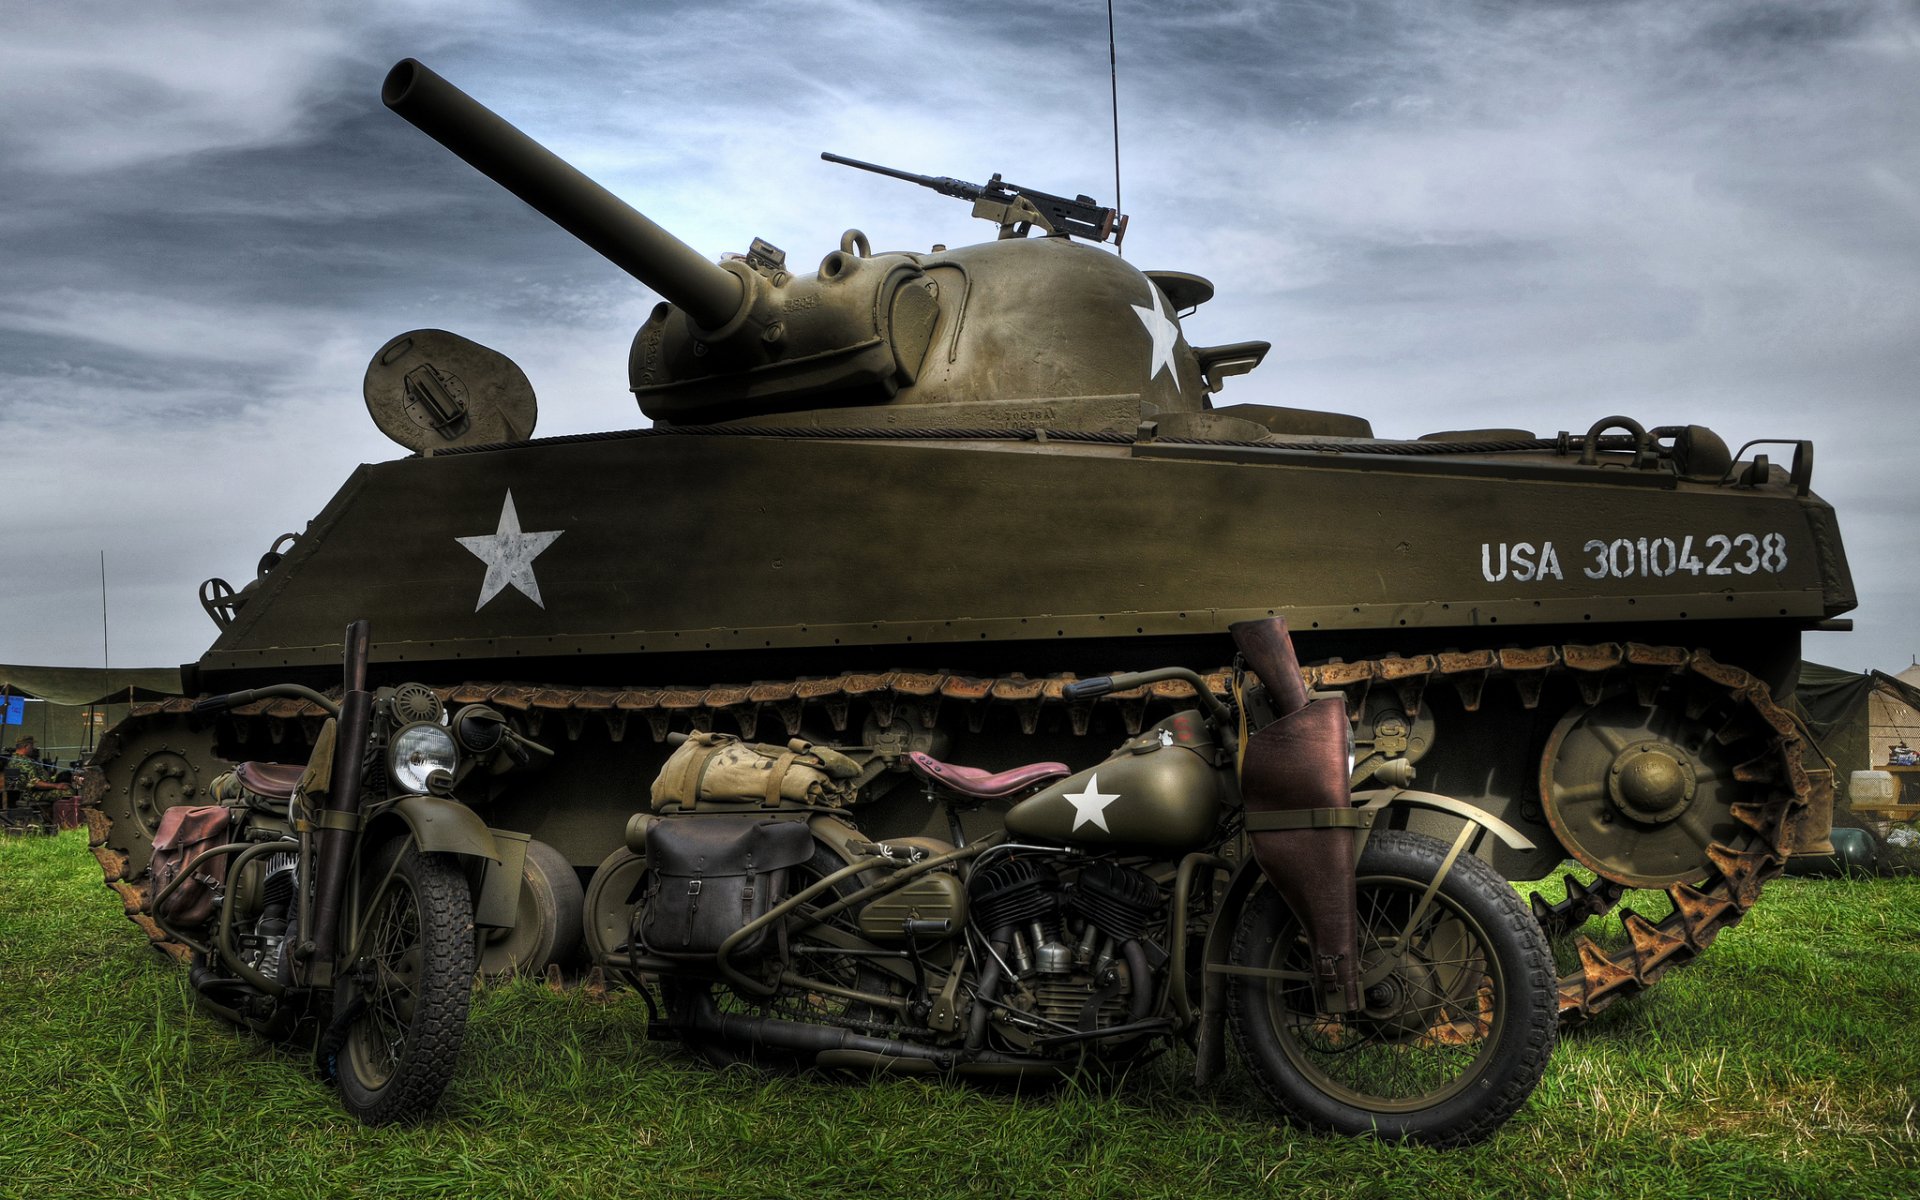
[{"x": 1113, "y": 75}]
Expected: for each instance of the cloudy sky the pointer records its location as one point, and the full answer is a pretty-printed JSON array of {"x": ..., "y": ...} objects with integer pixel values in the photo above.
[{"x": 1441, "y": 213}]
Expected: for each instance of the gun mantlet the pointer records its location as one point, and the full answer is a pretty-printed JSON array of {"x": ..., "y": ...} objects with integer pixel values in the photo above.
[{"x": 859, "y": 326}]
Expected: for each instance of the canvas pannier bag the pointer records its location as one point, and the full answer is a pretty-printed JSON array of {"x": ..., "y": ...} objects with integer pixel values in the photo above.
[
  {"x": 185, "y": 833},
  {"x": 721, "y": 767},
  {"x": 709, "y": 875}
]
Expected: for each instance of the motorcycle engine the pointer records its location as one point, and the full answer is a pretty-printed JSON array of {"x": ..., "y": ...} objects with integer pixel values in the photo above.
[
  {"x": 261, "y": 936},
  {"x": 1075, "y": 945}
]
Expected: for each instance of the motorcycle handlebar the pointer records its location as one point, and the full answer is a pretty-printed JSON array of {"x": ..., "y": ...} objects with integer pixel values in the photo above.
[
  {"x": 526, "y": 743},
  {"x": 1087, "y": 689},
  {"x": 1100, "y": 685}
]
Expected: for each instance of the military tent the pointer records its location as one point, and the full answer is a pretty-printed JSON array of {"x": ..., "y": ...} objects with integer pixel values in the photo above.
[
  {"x": 67, "y": 708},
  {"x": 1856, "y": 717}
]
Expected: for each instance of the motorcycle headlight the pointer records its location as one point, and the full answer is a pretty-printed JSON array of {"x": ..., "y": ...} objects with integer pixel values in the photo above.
[{"x": 416, "y": 752}]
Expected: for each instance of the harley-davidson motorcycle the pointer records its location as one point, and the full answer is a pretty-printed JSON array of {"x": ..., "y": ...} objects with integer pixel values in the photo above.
[
  {"x": 340, "y": 904},
  {"x": 1214, "y": 872}
]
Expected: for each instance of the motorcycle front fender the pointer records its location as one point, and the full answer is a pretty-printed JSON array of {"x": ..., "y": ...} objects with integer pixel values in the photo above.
[{"x": 442, "y": 826}]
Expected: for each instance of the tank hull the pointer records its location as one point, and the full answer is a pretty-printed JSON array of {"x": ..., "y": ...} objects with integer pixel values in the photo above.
[
  {"x": 896, "y": 549},
  {"x": 683, "y": 568}
]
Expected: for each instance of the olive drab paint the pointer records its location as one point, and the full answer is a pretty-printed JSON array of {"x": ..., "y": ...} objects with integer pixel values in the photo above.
[{"x": 984, "y": 465}]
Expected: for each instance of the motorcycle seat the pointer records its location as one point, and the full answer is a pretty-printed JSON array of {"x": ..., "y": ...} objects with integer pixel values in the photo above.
[
  {"x": 984, "y": 785},
  {"x": 275, "y": 781}
]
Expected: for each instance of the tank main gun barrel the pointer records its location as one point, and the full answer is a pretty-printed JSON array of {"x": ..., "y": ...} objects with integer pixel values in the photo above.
[{"x": 708, "y": 293}]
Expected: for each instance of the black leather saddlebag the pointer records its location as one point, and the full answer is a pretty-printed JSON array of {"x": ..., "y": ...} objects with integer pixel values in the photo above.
[{"x": 709, "y": 875}]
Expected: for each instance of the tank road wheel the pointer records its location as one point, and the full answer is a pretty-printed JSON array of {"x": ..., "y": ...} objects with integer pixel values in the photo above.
[
  {"x": 410, "y": 985},
  {"x": 1458, "y": 1021},
  {"x": 605, "y": 921},
  {"x": 546, "y": 926},
  {"x": 147, "y": 765}
]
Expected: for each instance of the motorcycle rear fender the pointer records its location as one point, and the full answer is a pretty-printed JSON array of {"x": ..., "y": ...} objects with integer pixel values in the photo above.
[
  {"x": 1210, "y": 1059},
  {"x": 1380, "y": 798},
  {"x": 495, "y": 858}
]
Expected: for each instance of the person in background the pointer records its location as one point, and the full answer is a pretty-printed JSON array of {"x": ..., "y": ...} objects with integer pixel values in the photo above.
[{"x": 27, "y": 775}]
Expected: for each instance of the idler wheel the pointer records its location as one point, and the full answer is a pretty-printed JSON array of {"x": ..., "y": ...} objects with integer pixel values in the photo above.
[
  {"x": 1638, "y": 793},
  {"x": 1648, "y": 782}
]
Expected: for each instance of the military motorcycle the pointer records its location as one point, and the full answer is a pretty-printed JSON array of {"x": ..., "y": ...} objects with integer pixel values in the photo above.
[
  {"x": 1214, "y": 873},
  {"x": 339, "y": 904}
]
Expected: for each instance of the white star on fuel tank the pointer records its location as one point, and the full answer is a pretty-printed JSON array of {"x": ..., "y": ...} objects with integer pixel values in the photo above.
[
  {"x": 1164, "y": 332},
  {"x": 509, "y": 556},
  {"x": 1090, "y": 806}
]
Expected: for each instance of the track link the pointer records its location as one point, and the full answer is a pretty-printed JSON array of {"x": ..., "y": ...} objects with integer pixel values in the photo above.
[{"x": 1789, "y": 808}]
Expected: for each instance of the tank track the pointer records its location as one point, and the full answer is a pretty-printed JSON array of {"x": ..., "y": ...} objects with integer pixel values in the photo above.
[{"x": 1790, "y": 807}]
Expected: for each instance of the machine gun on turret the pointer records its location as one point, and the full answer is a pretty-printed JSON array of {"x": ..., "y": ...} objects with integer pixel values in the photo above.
[{"x": 1014, "y": 208}]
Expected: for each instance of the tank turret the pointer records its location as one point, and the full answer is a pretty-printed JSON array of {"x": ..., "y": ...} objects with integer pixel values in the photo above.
[{"x": 1057, "y": 333}]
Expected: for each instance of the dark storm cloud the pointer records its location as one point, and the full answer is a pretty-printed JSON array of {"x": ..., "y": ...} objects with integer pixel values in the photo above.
[{"x": 1443, "y": 215}]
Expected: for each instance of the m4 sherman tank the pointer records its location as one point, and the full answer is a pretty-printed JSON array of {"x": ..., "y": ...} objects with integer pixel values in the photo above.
[{"x": 896, "y": 501}]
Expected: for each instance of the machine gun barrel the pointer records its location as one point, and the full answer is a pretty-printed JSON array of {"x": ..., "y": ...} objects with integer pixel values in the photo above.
[
  {"x": 959, "y": 189},
  {"x": 1014, "y": 208},
  {"x": 708, "y": 293}
]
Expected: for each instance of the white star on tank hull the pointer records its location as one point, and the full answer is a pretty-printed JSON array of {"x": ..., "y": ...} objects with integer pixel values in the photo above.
[
  {"x": 509, "y": 556},
  {"x": 1090, "y": 805}
]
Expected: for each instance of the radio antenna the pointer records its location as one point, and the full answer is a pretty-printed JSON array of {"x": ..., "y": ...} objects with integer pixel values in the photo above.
[
  {"x": 1113, "y": 76},
  {"x": 106, "y": 656}
]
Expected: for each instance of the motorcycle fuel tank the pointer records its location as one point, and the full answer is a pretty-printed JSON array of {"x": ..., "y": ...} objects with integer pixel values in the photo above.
[{"x": 1156, "y": 791}]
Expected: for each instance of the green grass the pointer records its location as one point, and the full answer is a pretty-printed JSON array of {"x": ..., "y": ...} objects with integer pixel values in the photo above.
[{"x": 1786, "y": 1063}]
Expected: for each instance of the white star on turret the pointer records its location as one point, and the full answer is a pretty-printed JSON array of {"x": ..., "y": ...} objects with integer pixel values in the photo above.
[
  {"x": 509, "y": 556},
  {"x": 1164, "y": 332},
  {"x": 1091, "y": 804}
]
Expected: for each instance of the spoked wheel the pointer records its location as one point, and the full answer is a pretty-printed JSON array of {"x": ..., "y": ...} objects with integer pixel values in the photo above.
[
  {"x": 1458, "y": 1016},
  {"x": 412, "y": 980}
]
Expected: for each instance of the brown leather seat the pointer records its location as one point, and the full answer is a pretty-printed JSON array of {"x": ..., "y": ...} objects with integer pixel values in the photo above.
[
  {"x": 272, "y": 780},
  {"x": 982, "y": 785}
]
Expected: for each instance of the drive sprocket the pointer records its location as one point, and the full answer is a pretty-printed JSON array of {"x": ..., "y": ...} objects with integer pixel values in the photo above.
[{"x": 146, "y": 764}]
